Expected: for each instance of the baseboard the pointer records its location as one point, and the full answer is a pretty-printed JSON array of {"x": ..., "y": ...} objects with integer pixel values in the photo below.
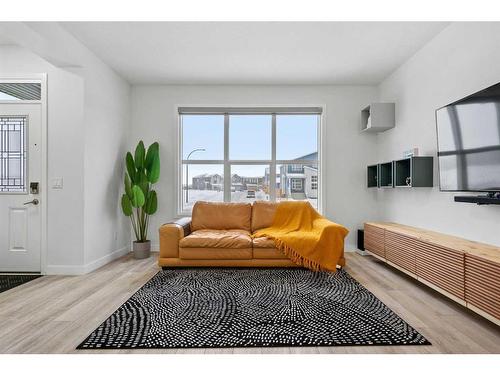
[
  {"x": 349, "y": 247},
  {"x": 89, "y": 267}
]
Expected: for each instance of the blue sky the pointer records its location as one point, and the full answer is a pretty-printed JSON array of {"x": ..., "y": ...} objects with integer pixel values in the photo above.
[
  {"x": 4, "y": 96},
  {"x": 249, "y": 138}
]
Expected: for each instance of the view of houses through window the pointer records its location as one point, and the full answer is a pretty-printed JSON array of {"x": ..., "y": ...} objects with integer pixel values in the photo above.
[{"x": 247, "y": 157}]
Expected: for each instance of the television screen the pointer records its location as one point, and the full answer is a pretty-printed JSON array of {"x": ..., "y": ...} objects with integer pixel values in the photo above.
[{"x": 469, "y": 142}]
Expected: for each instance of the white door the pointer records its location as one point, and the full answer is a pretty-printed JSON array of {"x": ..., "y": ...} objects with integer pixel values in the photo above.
[{"x": 20, "y": 170}]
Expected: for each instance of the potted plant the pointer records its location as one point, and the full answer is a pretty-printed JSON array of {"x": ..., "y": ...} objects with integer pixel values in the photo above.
[{"x": 140, "y": 201}]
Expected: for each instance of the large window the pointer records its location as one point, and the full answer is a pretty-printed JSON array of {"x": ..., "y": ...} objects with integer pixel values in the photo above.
[{"x": 248, "y": 154}]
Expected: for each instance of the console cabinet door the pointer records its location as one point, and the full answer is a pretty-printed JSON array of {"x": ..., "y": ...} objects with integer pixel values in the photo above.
[
  {"x": 482, "y": 284},
  {"x": 374, "y": 240},
  {"x": 442, "y": 267},
  {"x": 400, "y": 250}
]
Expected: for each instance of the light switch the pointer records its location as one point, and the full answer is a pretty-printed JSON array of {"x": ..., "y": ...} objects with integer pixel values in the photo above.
[{"x": 57, "y": 183}]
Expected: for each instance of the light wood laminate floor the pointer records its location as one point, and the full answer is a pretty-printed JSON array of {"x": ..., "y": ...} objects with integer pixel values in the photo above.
[{"x": 53, "y": 314}]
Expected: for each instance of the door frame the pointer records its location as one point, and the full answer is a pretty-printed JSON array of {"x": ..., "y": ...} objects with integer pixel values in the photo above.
[{"x": 42, "y": 79}]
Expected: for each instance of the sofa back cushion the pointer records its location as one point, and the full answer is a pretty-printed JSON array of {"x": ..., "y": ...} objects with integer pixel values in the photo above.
[
  {"x": 221, "y": 216},
  {"x": 263, "y": 214}
]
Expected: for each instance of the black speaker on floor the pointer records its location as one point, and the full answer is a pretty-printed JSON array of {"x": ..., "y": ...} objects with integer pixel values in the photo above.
[{"x": 361, "y": 239}]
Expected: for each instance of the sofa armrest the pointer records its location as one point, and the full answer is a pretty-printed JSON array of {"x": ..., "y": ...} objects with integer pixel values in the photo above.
[{"x": 171, "y": 234}]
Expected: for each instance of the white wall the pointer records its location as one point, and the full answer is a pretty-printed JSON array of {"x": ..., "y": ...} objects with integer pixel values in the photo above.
[
  {"x": 88, "y": 125},
  {"x": 107, "y": 116},
  {"x": 346, "y": 151},
  {"x": 462, "y": 59},
  {"x": 65, "y": 156},
  {"x": 107, "y": 123}
]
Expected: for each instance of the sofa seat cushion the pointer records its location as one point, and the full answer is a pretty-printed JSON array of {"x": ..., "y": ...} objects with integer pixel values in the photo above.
[
  {"x": 263, "y": 242},
  {"x": 213, "y": 253},
  {"x": 223, "y": 239}
]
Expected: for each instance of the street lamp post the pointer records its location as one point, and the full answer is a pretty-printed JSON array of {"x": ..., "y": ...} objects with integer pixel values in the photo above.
[{"x": 187, "y": 170}]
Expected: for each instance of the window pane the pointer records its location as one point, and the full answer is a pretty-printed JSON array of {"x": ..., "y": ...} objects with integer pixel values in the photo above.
[
  {"x": 204, "y": 133},
  {"x": 12, "y": 154},
  {"x": 249, "y": 183},
  {"x": 250, "y": 137},
  {"x": 298, "y": 182},
  {"x": 297, "y": 137},
  {"x": 205, "y": 183},
  {"x": 20, "y": 91}
]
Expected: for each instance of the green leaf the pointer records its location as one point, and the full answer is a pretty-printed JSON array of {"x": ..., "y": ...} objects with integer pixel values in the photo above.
[
  {"x": 137, "y": 196},
  {"x": 151, "y": 204},
  {"x": 129, "y": 161},
  {"x": 126, "y": 205},
  {"x": 154, "y": 172},
  {"x": 153, "y": 163},
  {"x": 143, "y": 183},
  {"x": 153, "y": 151},
  {"x": 139, "y": 155},
  {"x": 128, "y": 186}
]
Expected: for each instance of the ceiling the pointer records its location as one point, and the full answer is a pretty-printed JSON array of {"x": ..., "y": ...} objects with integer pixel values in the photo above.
[{"x": 254, "y": 52}]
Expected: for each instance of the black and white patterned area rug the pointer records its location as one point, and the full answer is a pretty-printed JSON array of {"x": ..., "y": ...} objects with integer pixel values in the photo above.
[
  {"x": 235, "y": 307},
  {"x": 11, "y": 281}
]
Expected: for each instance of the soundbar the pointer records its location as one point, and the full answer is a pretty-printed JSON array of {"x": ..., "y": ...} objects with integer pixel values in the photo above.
[{"x": 478, "y": 199}]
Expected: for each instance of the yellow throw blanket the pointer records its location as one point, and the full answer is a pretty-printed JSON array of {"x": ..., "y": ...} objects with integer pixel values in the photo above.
[{"x": 307, "y": 238}]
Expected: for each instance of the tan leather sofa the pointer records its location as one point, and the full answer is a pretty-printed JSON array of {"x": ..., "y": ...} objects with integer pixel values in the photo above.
[{"x": 219, "y": 234}]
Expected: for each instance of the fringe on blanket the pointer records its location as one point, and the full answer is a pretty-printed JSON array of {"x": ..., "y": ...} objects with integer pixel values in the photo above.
[{"x": 297, "y": 258}]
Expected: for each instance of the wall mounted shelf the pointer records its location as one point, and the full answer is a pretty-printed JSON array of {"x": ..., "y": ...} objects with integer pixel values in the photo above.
[
  {"x": 378, "y": 117},
  {"x": 386, "y": 175},
  {"x": 415, "y": 171},
  {"x": 372, "y": 176},
  {"x": 402, "y": 172}
]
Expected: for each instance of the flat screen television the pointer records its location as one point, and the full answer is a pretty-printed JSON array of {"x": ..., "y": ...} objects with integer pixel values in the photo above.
[{"x": 468, "y": 133}]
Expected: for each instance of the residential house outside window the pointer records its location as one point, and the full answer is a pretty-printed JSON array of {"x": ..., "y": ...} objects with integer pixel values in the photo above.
[
  {"x": 248, "y": 154},
  {"x": 314, "y": 182},
  {"x": 297, "y": 184}
]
